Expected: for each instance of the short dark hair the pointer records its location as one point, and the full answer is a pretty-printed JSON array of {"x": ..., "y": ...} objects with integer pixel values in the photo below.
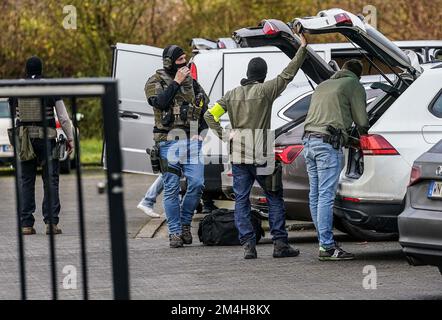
[{"x": 354, "y": 66}]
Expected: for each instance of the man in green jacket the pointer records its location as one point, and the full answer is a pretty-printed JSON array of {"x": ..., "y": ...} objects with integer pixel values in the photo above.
[
  {"x": 249, "y": 108},
  {"x": 335, "y": 105}
]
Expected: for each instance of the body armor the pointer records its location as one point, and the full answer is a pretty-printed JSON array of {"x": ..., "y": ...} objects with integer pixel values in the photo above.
[
  {"x": 185, "y": 108},
  {"x": 29, "y": 116}
]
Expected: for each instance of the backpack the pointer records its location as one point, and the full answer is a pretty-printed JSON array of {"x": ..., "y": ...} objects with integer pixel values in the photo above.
[{"x": 218, "y": 228}]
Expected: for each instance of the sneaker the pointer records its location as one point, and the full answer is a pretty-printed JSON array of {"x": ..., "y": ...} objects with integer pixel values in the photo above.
[
  {"x": 149, "y": 211},
  {"x": 187, "y": 235},
  {"x": 175, "y": 241},
  {"x": 28, "y": 231},
  {"x": 250, "y": 251},
  {"x": 55, "y": 229},
  {"x": 334, "y": 254},
  {"x": 284, "y": 250}
]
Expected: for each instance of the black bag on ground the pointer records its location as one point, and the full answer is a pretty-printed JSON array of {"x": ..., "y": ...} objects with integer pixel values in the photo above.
[{"x": 218, "y": 228}]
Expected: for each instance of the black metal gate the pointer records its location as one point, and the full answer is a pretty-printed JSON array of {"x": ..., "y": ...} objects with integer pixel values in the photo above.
[{"x": 106, "y": 89}]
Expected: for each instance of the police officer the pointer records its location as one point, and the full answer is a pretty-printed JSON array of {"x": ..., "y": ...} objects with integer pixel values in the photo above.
[
  {"x": 31, "y": 151},
  {"x": 250, "y": 108},
  {"x": 179, "y": 104},
  {"x": 335, "y": 105}
]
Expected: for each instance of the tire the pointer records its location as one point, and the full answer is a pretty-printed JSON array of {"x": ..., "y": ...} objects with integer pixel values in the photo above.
[
  {"x": 362, "y": 234},
  {"x": 65, "y": 166}
]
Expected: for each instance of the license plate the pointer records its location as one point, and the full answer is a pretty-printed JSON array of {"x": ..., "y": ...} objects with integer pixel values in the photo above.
[
  {"x": 435, "y": 190},
  {"x": 7, "y": 148}
]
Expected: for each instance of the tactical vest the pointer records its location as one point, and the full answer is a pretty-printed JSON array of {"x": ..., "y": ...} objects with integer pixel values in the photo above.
[
  {"x": 185, "y": 108},
  {"x": 29, "y": 112}
]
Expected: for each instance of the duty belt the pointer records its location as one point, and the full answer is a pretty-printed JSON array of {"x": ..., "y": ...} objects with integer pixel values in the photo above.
[{"x": 311, "y": 134}]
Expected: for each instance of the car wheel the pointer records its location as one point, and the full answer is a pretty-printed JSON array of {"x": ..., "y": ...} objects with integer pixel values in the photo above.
[
  {"x": 364, "y": 235},
  {"x": 65, "y": 166}
]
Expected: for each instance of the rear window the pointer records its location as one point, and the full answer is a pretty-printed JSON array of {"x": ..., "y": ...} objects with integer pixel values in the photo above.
[
  {"x": 437, "y": 148},
  {"x": 4, "y": 109},
  {"x": 436, "y": 106}
]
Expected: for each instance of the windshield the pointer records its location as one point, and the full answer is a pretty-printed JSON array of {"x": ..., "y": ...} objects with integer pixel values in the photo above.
[{"x": 4, "y": 109}]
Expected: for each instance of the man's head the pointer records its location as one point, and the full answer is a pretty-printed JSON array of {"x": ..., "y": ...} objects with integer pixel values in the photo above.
[
  {"x": 354, "y": 66},
  {"x": 257, "y": 70},
  {"x": 174, "y": 58},
  {"x": 34, "y": 67}
]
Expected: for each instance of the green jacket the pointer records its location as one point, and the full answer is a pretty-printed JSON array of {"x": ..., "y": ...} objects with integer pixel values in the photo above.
[
  {"x": 338, "y": 102},
  {"x": 250, "y": 107}
]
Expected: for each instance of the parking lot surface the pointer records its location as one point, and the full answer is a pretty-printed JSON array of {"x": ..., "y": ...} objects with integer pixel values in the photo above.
[{"x": 195, "y": 272}]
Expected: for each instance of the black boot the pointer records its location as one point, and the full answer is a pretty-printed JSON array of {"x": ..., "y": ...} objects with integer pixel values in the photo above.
[
  {"x": 250, "y": 251},
  {"x": 282, "y": 249}
]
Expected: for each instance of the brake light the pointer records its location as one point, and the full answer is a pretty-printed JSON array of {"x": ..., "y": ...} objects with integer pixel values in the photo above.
[
  {"x": 288, "y": 154},
  {"x": 416, "y": 175},
  {"x": 343, "y": 19},
  {"x": 376, "y": 145},
  {"x": 262, "y": 200},
  {"x": 269, "y": 29},
  {"x": 194, "y": 71},
  {"x": 355, "y": 200},
  {"x": 57, "y": 124}
]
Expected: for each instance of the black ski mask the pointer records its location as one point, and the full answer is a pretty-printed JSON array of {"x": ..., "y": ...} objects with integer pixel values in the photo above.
[
  {"x": 34, "y": 67},
  {"x": 170, "y": 56},
  {"x": 256, "y": 71}
]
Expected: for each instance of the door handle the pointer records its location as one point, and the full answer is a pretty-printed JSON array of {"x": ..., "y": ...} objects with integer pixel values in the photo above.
[{"x": 129, "y": 115}]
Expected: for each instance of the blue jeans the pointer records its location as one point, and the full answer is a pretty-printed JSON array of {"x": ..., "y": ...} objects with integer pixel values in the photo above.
[
  {"x": 185, "y": 156},
  {"x": 153, "y": 192},
  {"x": 324, "y": 166},
  {"x": 244, "y": 176}
]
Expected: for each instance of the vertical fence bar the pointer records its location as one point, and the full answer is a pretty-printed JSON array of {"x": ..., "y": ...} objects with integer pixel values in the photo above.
[
  {"x": 17, "y": 173},
  {"x": 80, "y": 201},
  {"x": 120, "y": 263},
  {"x": 47, "y": 148}
]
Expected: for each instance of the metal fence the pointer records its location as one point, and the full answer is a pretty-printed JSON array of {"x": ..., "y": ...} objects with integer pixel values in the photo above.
[{"x": 106, "y": 90}]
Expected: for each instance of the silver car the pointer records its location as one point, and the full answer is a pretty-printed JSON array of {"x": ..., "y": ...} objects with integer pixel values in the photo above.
[{"x": 420, "y": 225}]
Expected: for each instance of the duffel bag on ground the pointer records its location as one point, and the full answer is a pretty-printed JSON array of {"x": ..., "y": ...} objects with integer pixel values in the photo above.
[{"x": 218, "y": 228}]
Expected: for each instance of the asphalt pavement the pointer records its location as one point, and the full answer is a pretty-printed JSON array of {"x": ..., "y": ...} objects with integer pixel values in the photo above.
[{"x": 195, "y": 272}]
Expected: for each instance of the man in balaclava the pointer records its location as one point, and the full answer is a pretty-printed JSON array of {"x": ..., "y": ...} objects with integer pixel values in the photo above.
[
  {"x": 179, "y": 104},
  {"x": 28, "y": 113},
  {"x": 250, "y": 108}
]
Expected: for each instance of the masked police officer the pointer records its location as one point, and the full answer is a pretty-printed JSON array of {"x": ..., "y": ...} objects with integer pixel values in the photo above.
[
  {"x": 179, "y": 104},
  {"x": 335, "y": 105},
  {"x": 31, "y": 151},
  {"x": 250, "y": 108}
]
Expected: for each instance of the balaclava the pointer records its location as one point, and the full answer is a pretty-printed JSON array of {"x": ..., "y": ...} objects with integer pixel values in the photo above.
[
  {"x": 257, "y": 71},
  {"x": 34, "y": 67},
  {"x": 176, "y": 53}
]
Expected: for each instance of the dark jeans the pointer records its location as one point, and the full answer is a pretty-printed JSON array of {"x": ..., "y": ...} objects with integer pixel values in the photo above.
[
  {"x": 27, "y": 185},
  {"x": 244, "y": 176}
]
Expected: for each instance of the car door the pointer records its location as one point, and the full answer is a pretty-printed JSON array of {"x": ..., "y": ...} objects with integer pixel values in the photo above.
[{"x": 133, "y": 65}]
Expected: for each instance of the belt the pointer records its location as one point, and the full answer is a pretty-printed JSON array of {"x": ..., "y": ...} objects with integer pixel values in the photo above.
[{"x": 310, "y": 134}]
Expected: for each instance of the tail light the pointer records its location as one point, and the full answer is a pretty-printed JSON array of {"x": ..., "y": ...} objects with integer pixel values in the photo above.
[
  {"x": 230, "y": 174},
  {"x": 262, "y": 200},
  {"x": 354, "y": 200},
  {"x": 376, "y": 145},
  {"x": 288, "y": 154},
  {"x": 343, "y": 19},
  {"x": 194, "y": 71},
  {"x": 416, "y": 175},
  {"x": 269, "y": 29},
  {"x": 57, "y": 124}
]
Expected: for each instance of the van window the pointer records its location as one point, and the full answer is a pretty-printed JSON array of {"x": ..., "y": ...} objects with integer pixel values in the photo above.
[
  {"x": 299, "y": 109},
  {"x": 436, "y": 107},
  {"x": 4, "y": 109}
]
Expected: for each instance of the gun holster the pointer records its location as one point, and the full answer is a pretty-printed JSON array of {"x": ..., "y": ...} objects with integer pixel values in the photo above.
[
  {"x": 336, "y": 137},
  {"x": 155, "y": 159}
]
